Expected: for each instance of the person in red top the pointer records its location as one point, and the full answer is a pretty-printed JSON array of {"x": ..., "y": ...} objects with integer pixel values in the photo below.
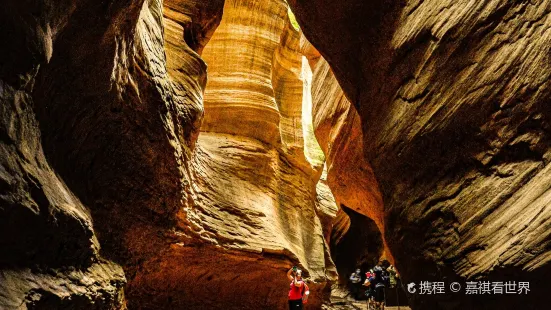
[{"x": 298, "y": 290}]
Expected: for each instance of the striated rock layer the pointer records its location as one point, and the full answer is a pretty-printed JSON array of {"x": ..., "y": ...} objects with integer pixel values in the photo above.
[
  {"x": 453, "y": 103},
  {"x": 255, "y": 192},
  {"x": 240, "y": 70},
  {"x": 116, "y": 128},
  {"x": 338, "y": 130},
  {"x": 350, "y": 177}
]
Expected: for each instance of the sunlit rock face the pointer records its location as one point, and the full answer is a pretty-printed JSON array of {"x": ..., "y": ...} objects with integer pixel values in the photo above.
[
  {"x": 240, "y": 57},
  {"x": 453, "y": 103},
  {"x": 258, "y": 203},
  {"x": 193, "y": 20},
  {"x": 289, "y": 86},
  {"x": 338, "y": 130}
]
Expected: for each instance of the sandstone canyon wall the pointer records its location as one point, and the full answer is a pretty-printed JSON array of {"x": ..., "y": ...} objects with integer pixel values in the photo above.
[
  {"x": 87, "y": 82},
  {"x": 338, "y": 130},
  {"x": 453, "y": 101},
  {"x": 102, "y": 169},
  {"x": 256, "y": 190}
]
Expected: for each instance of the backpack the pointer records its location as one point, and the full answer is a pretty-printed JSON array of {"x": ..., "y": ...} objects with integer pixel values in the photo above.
[
  {"x": 381, "y": 278},
  {"x": 304, "y": 287}
]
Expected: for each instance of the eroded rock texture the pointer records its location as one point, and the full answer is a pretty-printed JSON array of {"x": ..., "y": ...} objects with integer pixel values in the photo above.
[
  {"x": 49, "y": 256},
  {"x": 103, "y": 169},
  {"x": 454, "y": 106},
  {"x": 338, "y": 130},
  {"x": 256, "y": 193},
  {"x": 350, "y": 177},
  {"x": 240, "y": 66},
  {"x": 114, "y": 95},
  {"x": 119, "y": 121}
]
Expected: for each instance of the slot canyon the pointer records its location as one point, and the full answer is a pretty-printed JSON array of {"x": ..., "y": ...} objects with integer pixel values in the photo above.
[{"x": 185, "y": 154}]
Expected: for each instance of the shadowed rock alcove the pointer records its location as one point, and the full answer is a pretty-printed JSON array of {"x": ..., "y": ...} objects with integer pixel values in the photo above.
[{"x": 359, "y": 246}]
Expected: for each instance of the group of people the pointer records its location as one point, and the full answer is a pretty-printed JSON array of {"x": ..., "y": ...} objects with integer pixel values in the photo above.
[{"x": 376, "y": 280}]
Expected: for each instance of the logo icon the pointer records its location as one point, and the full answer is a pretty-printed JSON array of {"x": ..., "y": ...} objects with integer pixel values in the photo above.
[
  {"x": 411, "y": 287},
  {"x": 455, "y": 287}
]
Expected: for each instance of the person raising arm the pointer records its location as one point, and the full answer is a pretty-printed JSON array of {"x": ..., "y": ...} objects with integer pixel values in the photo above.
[{"x": 296, "y": 289}]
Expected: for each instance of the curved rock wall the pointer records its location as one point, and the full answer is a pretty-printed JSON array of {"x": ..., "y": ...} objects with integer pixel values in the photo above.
[
  {"x": 193, "y": 20},
  {"x": 115, "y": 127},
  {"x": 256, "y": 194},
  {"x": 338, "y": 129},
  {"x": 114, "y": 93},
  {"x": 455, "y": 122},
  {"x": 288, "y": 87},
  {"x": 240, "y": 58},
  {"x": 50, "y": 255},
  {"x": 101, "y": 157}
]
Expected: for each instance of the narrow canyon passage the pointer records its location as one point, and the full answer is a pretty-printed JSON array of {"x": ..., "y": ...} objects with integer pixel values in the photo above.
[
  {"x": 261, "y": 185},
  {"x": 184, "y": 154}
]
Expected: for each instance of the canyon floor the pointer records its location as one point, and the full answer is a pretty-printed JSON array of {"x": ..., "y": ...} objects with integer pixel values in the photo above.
[{"x": 356, "y": 305}]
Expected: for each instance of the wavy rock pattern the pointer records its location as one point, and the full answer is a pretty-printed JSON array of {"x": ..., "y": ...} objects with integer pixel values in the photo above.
[
  {"x": 256, "y": 194},
  {"x": 455, "y": 122},
  {"x": 102, "y": 168},
  {"x": 240, "y": 70},
  {"x": 193, "y": 20},
  {"x": 338, "y": 129},
  {"x": 118, "y": 130},
  {"x": 96, "y": 287}
]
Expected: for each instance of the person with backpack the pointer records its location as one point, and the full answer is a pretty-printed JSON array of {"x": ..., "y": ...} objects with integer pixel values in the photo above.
[
  {"x": 378, "y": 282},
  {"x": 298, "y": 290},
  {"x": 369, "y": 291},
  {"x": 356, "y": 283},
  {"x": 393, "y": 276}
]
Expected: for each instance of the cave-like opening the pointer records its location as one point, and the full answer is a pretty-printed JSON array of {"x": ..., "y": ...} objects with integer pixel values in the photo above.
[{"x": 356, "y": 245}]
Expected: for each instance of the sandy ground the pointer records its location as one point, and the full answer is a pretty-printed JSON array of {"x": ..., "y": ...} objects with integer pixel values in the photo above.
[
  {"x": 341, "y": 300},
  {"x": 364, "y": 306},
  {"x": 345, "y": 304}
]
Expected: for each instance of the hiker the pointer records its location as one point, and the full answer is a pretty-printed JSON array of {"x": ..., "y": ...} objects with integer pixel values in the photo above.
[
  {"x": 369, "y": 291},
  {"x": 298, "y": 290},
  {"x": 393, "y": 276},
  {"x": 369, "y": 274},
  {"x": 378, "y": 282},
  {"x": 356, "y": 283}
]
